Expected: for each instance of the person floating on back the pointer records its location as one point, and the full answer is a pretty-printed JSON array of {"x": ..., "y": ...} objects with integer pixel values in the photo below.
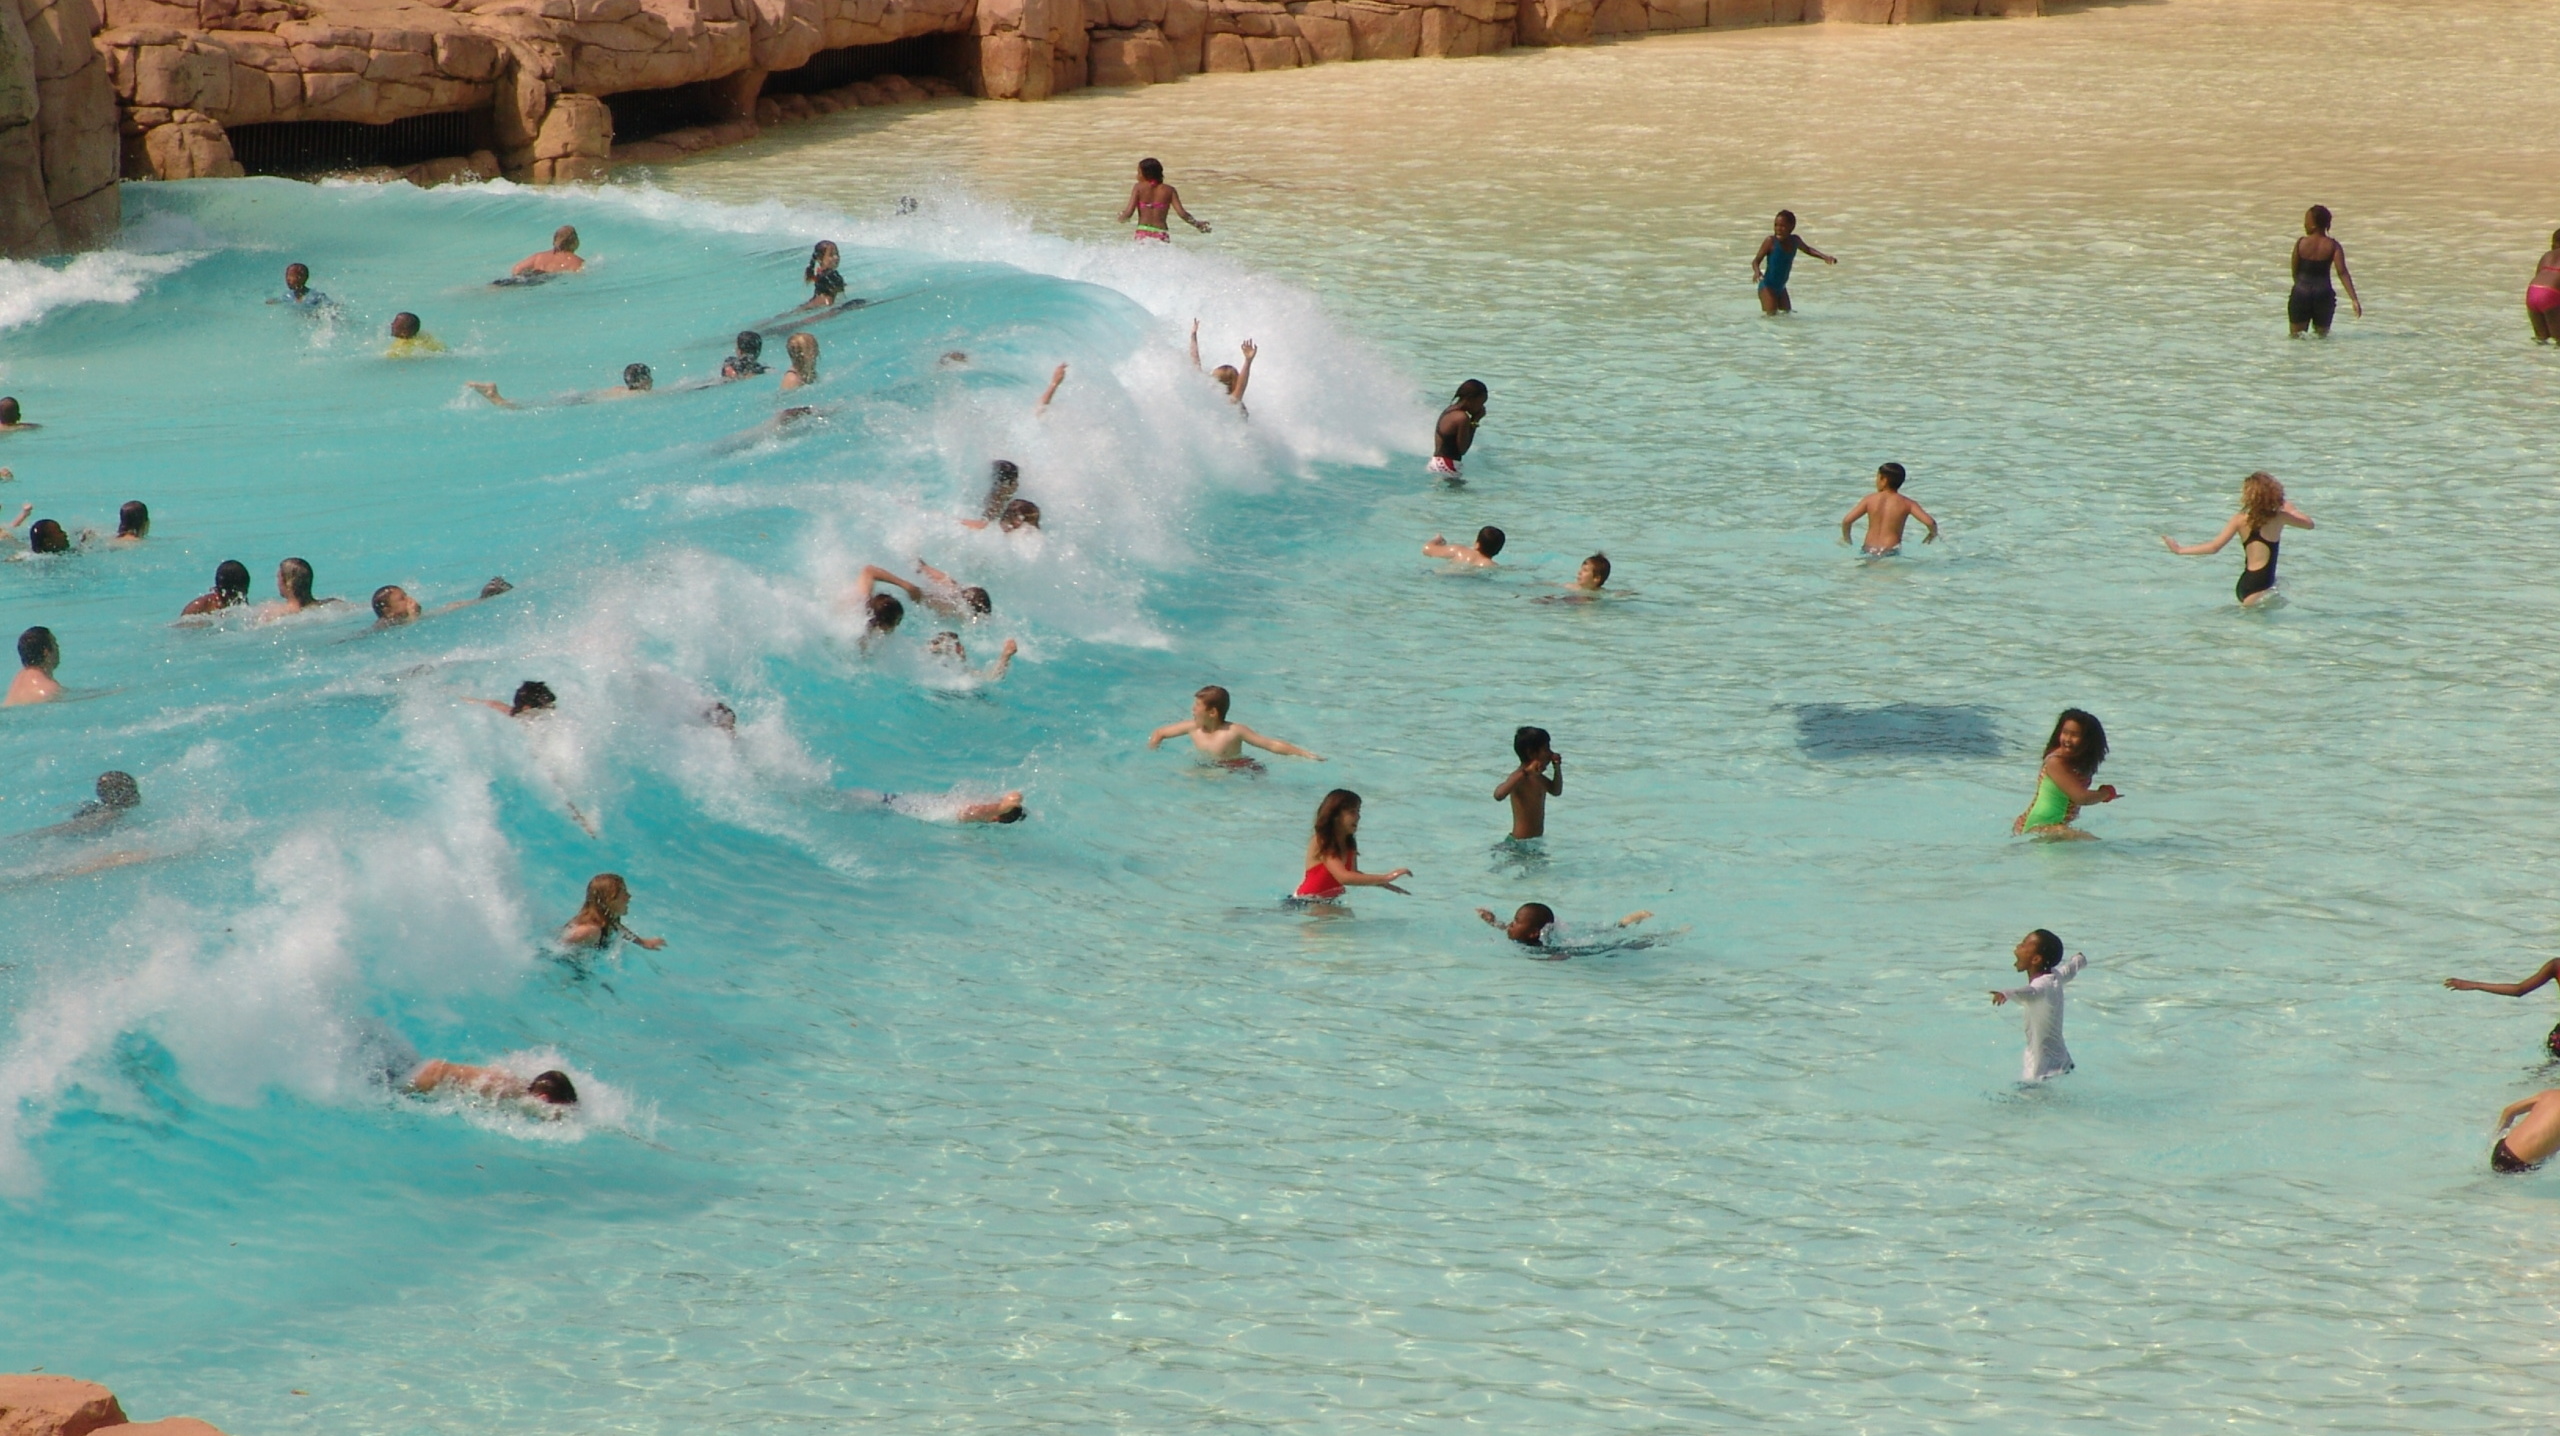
[
  {"x": 2538, "y": 978},
  {"x": 1886, "y": 511},
  {"x": 39, "y": 654},
  {"x": 560, "y": 258},
  {"x": 2039, "y": 956},
  {"x": 409, "y": 338},
  {"x": 1539, "y": 777},
  {"x": 298, "y": 291},
  {"x": 2542, "y": 294},
  {"x": 1220, "y": 741},
  {"x": 1151, "y": 199},
  {"x": 2313, "y": 303},
  {"x": 1456, "y": 431},
  {"x": 2071, "y": 758},
  {"x": 1333, "y": 853},
  {"x": 1776, "y": 259},
  {"x": 2264, "y": 516},
  {"x": 1489, "y": 541}
]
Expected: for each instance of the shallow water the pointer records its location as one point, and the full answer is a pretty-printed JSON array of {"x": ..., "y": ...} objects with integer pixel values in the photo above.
[{"x": 1070, "y": 1125}]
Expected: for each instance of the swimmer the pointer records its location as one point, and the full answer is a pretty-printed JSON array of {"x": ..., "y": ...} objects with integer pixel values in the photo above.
[
  {"x": 393, "y": 607},
  {"x": 636, "y": 380},
  {"x": 748, "y": 362},
  {"x": 550, "y": 1093},
  {"x": 38, "y": 655},
  {"x": 1006, "y": 809},
  {"x": 297, "y": 289},
  {"x": 1057, "y": 377},
  {"x": 1218, "y": 740},
  {"x": 1003, "y": 484},
  {"x": 1333, "y": 853},
  {"x": 1150, "y": 199},
  {"x": 1489, "y": 541},
  {"x": 133, "y": 522},
  {"x": 946, "y": 646},
  {"x": 599, "y": 922},
  {"x": 560, "y": 258},
  {"x": 2542, "y": 294},
  {"x": 2039, "y": 956},
  {"x": 118, "y": 794},
  {"x": 1535, "y": 922},
  {"x": 533, "y": 699},
  {"x": 2312, "y": 304},
  {"x": 881, "y": 617},
  {"x": 938, "y": 591},
  {"x": 293, "y": 591},
  {"x": 409, "y": 340},
  {"x": 13, "y": 418},
  {"x": 1588, "y": 582},
  {"x": 1456, "y": 431},
  {"x": 952, "y": 359},
  {"x": 1886, "y": 511},
  {"x": 230, "y": 590},
  {"x": 1539, "y": 777},
  {"x": 1229, "y": 377},
  {"x": 721, "y": 716},
  {"x": 2071, "y": 758},
  {"x": 1017, "y": 514},
  {"x": 1776, "y": 259},
  {"x": 822, "y": 276},
  {"x": 803, "y": 349},
  {"x": 2533, "y": 1140},
  {"x": 47, "y": 537},
  {"x": 2264, "y": 516},
  {"x": 2540, "y": 976}
]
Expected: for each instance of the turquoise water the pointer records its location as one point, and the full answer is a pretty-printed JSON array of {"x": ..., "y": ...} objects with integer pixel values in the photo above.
[{"x": 1070, "y": 1125}]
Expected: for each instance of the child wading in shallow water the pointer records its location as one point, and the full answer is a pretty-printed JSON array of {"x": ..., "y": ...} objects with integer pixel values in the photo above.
[
  {"x": 1333, "y": 853},
  {"x": 1220, "y": 741},
  {"x": 1539, "y": 777},
  {"x": 1776, "y": 260},
  {"x": 2039, "y": 956},
  {"x": 2071, "y": 759}
]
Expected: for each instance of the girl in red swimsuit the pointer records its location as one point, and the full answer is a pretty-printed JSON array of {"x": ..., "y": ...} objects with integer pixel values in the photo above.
[{"x": 1333, "y": 853}]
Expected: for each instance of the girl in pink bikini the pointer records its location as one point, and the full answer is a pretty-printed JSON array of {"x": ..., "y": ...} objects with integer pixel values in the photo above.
[
  {"x": 1333, "y": 853},
  {"x": 2542, "y": 296}
]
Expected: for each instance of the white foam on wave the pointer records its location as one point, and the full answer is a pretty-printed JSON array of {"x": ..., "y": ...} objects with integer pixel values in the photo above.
[{"x": 152, "y": 246}]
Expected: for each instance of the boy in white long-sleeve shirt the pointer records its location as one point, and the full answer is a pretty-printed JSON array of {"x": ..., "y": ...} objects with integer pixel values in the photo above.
[{"x": 2039, "y": 956}]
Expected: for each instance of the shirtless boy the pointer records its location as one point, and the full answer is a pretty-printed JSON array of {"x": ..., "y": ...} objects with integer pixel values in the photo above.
[
  {"x": 550, "y": 1092},
  {"x": 1150, "y": 199},
  {"x": 1539, "y": 777},
  {"x": 1588, "y": 581},
  {"x": 38, "y": 656},
  {"x": 1217, "y": 739},
  {"x": 1489, "y": 541},
  {"x": 13, "y": 418},
  {"x": 2533, "y": 1140},
  {"x": 560, "y": 258},
  {"x": 393, "y": 606},
  {"x": 1456, "y": 431},
  {"x": 1886, "y": 511}
]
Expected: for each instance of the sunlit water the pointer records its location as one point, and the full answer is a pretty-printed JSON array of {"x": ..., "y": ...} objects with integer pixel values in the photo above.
[{"x": 1069, "y": 1125}]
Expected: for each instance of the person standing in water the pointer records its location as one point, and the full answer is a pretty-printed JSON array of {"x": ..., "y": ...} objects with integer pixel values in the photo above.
[
  {"x": 2539, "y": 977},
  {"x": 2542, "y": 294},
  {"x": 409, "y": 338},
  {"x": 39, "y": 653},
  {"x": 1886, "y": 511},
  {"x": 1539, "y": 777},
  {"x": 2533, "y": 1140},
  {"x": 1151, "y": 199},
  {"x": 297, "y": 289},
  {"x": 1776, "y": 259},
  {"x": 2264, "y": 516},
  {"x": 1333, "y": 853},
  {"x": 2039, "y": 956},
  {"x": 2071, "y": 759},
  {"x": 2313, "y": 303},
  {"x": 823, "y": 278},
  {"x": 1220, "y": 741},
  {"x": 599, "y": 922},
  {"x": 560, "y": 258},
  {"x": 1456, "y": 431}
]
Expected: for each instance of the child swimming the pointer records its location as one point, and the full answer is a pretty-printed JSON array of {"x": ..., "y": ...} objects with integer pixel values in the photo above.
[
  {"x": 2264, "y": 516},
  {"x": 1220, "y": 741},
  {"x": 2538, "y": 978},
  {"x": 1539, "y": 777},
  {"x": 2039, "y": 955},
  {"x": 2071, "y": 758},
  {"x": 1333, "y": 853},
  {"x": 1588, "y": 582},
  {"x": 1535, "y": 925},
  {"x": 1489, "y": 542}
]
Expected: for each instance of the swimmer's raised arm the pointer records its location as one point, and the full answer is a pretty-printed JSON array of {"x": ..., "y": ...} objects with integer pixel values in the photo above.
[
  {"x": 1271, "y": 745},
  {"x": 11, "y": 527},
  {"x": 1195, "y": 336},
  {"x": 1244, "y": 376},
  {"x": 1489, "y": 919},
  {"x": 873, "y": 575},
  {"x": 1172, "y": 730},
  {"x": 1056, "y": 378},
  {"x": 2541, "y": 975},
  {"x": 1004, "y": 662}
]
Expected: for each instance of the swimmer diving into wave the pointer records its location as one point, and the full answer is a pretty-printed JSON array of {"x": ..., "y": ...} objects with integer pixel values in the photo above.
[{"x": 947, "y": 808}]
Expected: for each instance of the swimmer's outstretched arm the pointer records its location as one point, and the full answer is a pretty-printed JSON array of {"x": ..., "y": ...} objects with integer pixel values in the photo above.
[
  {"x": 1004, "y": 662},
  {"x": 490, "y": 392},
  {"x": 2541, "y": 975},
  {"x": 1273, "y": 745},
  {"x": 1056, "y": 378},
  {"x": 488, "y": 591},
  {"x": 1171, "y": 730},
  {"x": 1631, "y": 919},
  {"x": 1489, "y": 919},
  {"x": 2229, "y": 531},
  {"x": 1195, "y": 336},
  {"x": 651, "y": 943},
  {"x": 1804, "y": 248},
  {"x": 1351, "y": 877}
]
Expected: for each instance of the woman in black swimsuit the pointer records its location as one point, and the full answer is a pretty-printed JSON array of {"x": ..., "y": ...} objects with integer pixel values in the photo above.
[
  {"x": 2263, "y": 517},
  {"x": 2313, "y": 303}
]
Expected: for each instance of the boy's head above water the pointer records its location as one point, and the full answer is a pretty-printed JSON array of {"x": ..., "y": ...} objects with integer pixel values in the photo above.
[
  {"x": 1489, "y": 540},
  {"x": 1529, "y": 925},
  {"x": 2037, "y": 952},
  {"x": 1531, "y": 744},
  {"x": 553, "y": 1087},
  {"x": 1785, "y": 223},
  {"x": 1890, "y": 476},
  {"x": 404, "y": 325},
  {"x": 1594, "y": 572},
  {"x": 1211, "y": 702}
]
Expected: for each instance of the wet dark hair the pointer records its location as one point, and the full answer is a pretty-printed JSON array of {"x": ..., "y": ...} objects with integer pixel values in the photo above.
[
  {"x": 1600, "y": 564},
  {"x": 118, "y": 790},
  {"x": 404, "y": 317},
  {"x": 1474, "y": 389},
  {"x": 382, "y": 599},
  {"x": 2319, "y": 217},
  {"x": 1014, "y": 814},
  {"x": 886, "y": 613},
  {"x": 2048, "y": 949},
  {"x": 636, "y": 376},
  {"x": 1333, "y": 840},
  {"x": 1019, "y": 513},
  {"x": 979, "y": 601},
  {"x": 1530, "y": 742},
  {"x": 9, "y": 407},
  {"x": 1153, "y": 169},
  {"x": 231, "y": 579},
  {"x": 817, "y": 252},
  {"x": 721, "y": 716},
  {"x": 750, "y": 343},
  {"x": 297, "y": 267},
  {"x": 47, "y": 537},
  {"x": 1006, "y": 481},
  {"x": 133, "y": 520},
  {"x": 1893, "y": 475},
  {"x": 1217, "y": 698},
  {"x": 2090, "y": 728},
  {"x": 533, "y": 695},
  {"x": 294, "y": 577},
  {"x": 1788, "y": 215},
  {"x": 1489, "y": 540},
  {"x": 555, "y": 1088},
  {"x": 1542, "y": 914},
  {"x": 36, "y": 645}
]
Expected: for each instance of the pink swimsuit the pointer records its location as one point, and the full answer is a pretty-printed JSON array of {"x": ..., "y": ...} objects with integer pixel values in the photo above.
[{"x": 2541, "y": 297}]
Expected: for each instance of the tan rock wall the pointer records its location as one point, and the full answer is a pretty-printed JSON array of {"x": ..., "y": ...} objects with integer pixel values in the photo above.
[{"x": 58, "y": 149}]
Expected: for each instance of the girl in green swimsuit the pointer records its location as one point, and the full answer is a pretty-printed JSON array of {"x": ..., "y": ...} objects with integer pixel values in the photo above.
[{"x": 2071, "y": 759}]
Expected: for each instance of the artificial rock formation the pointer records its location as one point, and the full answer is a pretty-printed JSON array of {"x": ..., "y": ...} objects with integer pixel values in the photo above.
[
  {"x": 58, "y": 162},
  {"x": 40, "y": 1405}
]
